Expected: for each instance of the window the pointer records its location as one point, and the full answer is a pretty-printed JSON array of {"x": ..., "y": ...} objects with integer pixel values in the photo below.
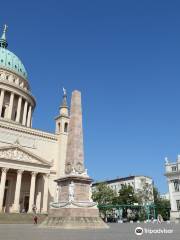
[
  {"x": 174, "y": 169},
  {"x": 176, "y": 185},
  {"x": 178, "y": 204},
  {"x": 65, "y": 127},
  {"x": 59, "y": 127}
]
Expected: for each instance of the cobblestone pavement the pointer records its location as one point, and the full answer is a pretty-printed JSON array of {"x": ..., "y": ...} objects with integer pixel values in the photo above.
[{"x": 125, "y": 231}]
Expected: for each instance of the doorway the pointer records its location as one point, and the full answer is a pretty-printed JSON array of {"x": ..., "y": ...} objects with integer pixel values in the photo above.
[{"x": 26, "y": 203}]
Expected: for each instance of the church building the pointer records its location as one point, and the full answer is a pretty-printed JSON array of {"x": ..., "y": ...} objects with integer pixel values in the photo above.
[{"x": 30, "y": 159}]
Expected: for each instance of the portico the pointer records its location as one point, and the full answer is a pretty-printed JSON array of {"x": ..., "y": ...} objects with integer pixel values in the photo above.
[{"x": 23, "y": 184}]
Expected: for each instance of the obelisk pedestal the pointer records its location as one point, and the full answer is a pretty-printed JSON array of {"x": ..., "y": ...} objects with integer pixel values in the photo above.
[{"x": 74, "y": 208}]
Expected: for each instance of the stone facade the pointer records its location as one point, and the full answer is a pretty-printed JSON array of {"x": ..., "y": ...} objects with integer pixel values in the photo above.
[
  {"x": 173, "y": 179},
  {"x": 30, "y": 159}
]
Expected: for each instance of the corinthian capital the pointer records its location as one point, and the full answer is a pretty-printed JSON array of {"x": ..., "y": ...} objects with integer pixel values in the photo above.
[
  {"x": 33, "y": 174},
  {"x": 4, "y": 170},
  {"x": 46, "y": 175},
  {"x": 20, "y": 171}
]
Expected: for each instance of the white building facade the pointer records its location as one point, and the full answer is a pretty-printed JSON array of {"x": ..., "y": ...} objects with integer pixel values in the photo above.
[
  {"x": 30, "y": 159},
  {"x": 172, "y": 172},
  {"x": 140, "y": 184}
]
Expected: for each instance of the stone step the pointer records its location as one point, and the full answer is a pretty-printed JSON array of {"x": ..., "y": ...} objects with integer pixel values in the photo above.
[
  {"x": 74, "y": 223},
  {"x": 20, "y": 218}
]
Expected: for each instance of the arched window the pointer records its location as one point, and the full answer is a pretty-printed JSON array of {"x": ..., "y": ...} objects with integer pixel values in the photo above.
[
  {"x": 65, "y": 127},
  {"x": 59, "y": 127}
]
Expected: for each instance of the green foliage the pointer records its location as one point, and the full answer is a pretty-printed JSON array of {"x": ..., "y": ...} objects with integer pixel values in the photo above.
[
  {"x": 156, "y": 195},
  {"x": 145, "y": 194},
  {"x": 162, "y": 205},
  {"x": 142, "y": 214},
  {"x": 126, "y": 196},
  {"x": 103, "y": 194}
]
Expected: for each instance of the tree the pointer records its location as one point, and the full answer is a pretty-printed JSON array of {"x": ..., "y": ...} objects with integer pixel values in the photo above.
[
  {"x": 162, "y": 205},
  {"x": 145, "y": 194},
  {"x": 103, "y": 194},
  {"x": 126, "y": 196}
]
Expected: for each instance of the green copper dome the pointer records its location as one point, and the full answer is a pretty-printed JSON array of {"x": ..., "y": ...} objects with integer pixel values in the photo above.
[{"x": 9, "y": 60}]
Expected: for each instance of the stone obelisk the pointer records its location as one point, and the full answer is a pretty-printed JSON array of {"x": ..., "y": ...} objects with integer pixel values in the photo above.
[
  {"x": 75, "y": 151},
  {"x": 74, "y": 208}
]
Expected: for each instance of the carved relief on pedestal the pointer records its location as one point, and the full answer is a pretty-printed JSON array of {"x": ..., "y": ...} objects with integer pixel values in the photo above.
[
  {"x": 71, "y": 191},
  {"x": 68, "y": 168},
  {"x": 79, "y": 167}
]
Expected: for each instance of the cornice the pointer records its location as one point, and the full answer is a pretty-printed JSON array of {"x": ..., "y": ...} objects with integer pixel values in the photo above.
[
  {"x": 172, "y": 173},
  {"x": 32, "y": 131},
  {"x": 61, "y": 116}
]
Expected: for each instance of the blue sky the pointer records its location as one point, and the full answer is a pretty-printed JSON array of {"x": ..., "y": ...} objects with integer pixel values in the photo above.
[{"x": 124, "y": 57}]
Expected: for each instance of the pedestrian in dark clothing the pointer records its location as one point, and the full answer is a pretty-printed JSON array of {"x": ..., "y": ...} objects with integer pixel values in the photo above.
[{"x": 35, "y": 219}]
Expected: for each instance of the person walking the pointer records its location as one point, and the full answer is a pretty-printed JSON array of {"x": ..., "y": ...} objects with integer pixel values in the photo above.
[{"x": 35, "y": 219}]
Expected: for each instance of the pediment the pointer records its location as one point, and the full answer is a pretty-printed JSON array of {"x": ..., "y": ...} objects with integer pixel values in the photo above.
[{"x": 17, "y": 153}]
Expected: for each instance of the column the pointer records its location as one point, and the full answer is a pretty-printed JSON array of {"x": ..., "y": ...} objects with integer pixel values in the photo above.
[
  {"x": 45, "y": 194},
  {"x": 29, "y": 117},
  {"x": 172, "y": 200},
  {"x": 32, "y": 191},
  {"x": 38, "y": 202},
  {"x": 31, "y": 121},
  {"x": 2, "y": 186},
  {"x": 11, "y": 101},
  {"x": 19, "y": 109},
  {"x": 1, "y": 100},
  {"x": 15, "y": 207},
  {"x": 25, "y": 113}
]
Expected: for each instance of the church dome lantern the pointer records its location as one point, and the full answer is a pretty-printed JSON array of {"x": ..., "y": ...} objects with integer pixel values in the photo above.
[{"x": 8, "y": 59}]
